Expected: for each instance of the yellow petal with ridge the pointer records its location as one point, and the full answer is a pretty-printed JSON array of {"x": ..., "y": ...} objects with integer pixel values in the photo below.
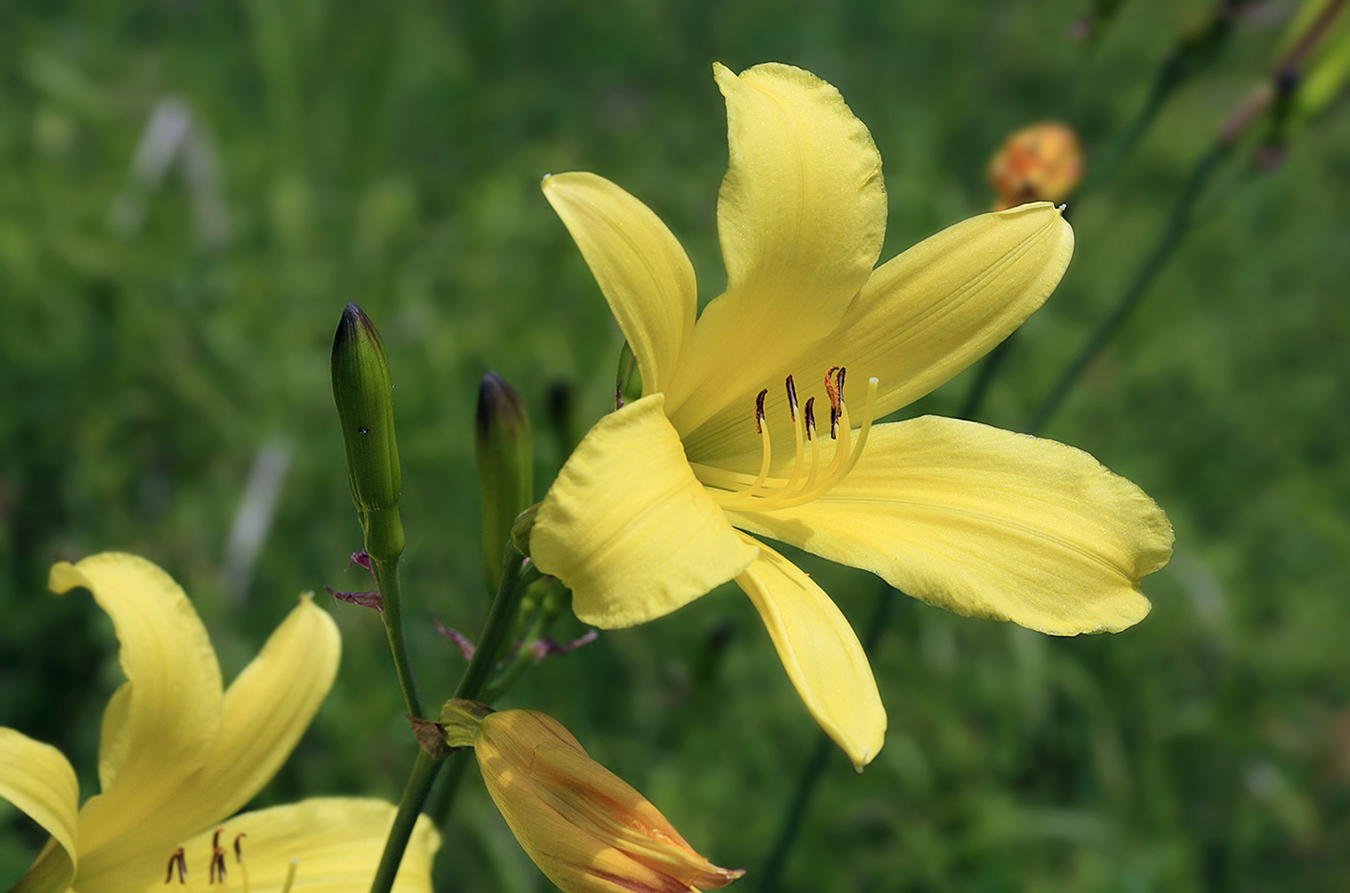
[
  {"x": 820, "y": 652},
  {"x": 922, "y": 317},
  {"x": 628, "y": 528},
  {"x": 801, "y": 217},
  {"x": 266, "y": 710},
  {"x": 641, "y": 268},
  {"x": 160, "y": 725},
  {"x": 986, "y": 522},
  {"x": 40, "y": 782}
]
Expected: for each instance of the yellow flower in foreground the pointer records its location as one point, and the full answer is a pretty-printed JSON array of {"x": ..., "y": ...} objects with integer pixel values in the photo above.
[
  {"x": 643, "y": 517},
  {"x": 585, "y": 828},
  {"x": 179, "y": 756}
]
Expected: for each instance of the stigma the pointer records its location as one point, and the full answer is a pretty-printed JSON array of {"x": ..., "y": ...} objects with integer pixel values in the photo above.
[{"x": 807, "y": 479}]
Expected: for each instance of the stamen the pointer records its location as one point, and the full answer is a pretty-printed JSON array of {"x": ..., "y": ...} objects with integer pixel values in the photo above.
[
  {"x": 217, "y": 870},
  {"x": 239, "y": 860},
  {"x": 768, "y": 494},
  {"x": 179, "y": 861}
]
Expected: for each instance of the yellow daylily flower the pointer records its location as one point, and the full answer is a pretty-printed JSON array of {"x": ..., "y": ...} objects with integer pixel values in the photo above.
[
  {"x": 180, "y": 755},
  {"x": 654, "y": 507}
]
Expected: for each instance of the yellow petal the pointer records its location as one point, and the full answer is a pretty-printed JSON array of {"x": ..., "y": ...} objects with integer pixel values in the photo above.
[
  {"x": 986, "y": 522},
  {"x": 801, "y": 217},
  {"x": 641, "y": 268},
  {"x": 582, "y": 825},
  {"x": 923, "y": 317},
  {"x": 267, "y": 708},
  {"x": 628, "y": 528},
  {"x": 37, "y": 779},
  {"x": 820, "y": 652},
  {"x": 160, "y": 726},
  {"x": 336, "y": 843}
]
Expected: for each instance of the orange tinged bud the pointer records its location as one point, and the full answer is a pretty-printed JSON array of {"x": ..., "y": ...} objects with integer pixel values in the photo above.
[
  {"x": 585, "y": 828},
  {"x": 1040, "y": 163}
]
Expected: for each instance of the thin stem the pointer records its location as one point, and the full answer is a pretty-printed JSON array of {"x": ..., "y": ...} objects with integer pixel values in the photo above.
[
  {"x": 387, "y": 581},
  {"x": 426, "y": 768},
  {"x": 499, "y": 623},
  {"x": 409, "y": 808},
  {"x": 1193, "y": 52},
  {"x": 814, "y": 770},
  {"x": 1177, "y": 227}
]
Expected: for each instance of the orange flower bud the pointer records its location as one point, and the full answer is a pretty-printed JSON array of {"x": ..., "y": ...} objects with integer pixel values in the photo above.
[
  {"x": 1040, "y": 163},
  {"x": 585, "y": 828}
]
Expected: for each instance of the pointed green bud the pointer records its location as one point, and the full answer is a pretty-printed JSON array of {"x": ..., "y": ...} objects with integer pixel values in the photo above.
[
  {"x": 505, "y": 468},
  {"x": 363, "y": 393}
]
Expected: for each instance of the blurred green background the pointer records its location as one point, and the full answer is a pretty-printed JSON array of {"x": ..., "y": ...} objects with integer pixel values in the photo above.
[{"x": 159, "y": 335}]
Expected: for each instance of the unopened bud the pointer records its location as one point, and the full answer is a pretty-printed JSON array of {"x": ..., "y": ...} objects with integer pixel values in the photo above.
[
  {"x": 584, "y": 827},
  {"x": 363, "y": 393},
  {"x": 1040, "y": 163},
  {"x": 505, "y": 468}
]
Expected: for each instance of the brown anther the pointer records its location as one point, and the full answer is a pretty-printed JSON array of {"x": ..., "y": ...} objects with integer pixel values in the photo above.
[
  {"x": 179, "y": 861},
  {"x": 810, "y": 418},
  {"x": 834, "y": 386},
  {"x": 217, "y": 870},
  {"x": 238, "y": 850},
  {"x": 759, "y": 411},
  {"x": 792, "y": 397}
]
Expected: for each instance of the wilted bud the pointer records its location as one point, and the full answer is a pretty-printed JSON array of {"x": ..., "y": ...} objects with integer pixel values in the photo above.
[
  {"x": 505, "y": 468},
  {"x": 1040, "y": 163},
  {"x": 586, "y": 829},
  {"x": 363, "y": 393}
]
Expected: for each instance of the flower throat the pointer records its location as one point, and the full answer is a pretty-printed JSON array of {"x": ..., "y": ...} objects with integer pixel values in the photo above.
[{"x": 740, "y": 492}]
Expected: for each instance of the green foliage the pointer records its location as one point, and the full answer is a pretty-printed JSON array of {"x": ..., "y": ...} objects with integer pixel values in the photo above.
[{"x": 389, "y": 154}]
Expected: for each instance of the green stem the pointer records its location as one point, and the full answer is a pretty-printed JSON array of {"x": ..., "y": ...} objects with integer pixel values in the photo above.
[
  {"x": 409, "y": 808},
  {"x": 1177, "y": 226},
  {"x": 498, "y": 624},
  {"x": 814, "y": 771},
  {"x": 387, "y": 581},
  {"x": 426, "y": 768}
]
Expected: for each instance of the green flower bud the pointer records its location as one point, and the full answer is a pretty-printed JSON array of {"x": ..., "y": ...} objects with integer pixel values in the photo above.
[
  {"x": 505, "y": 468},
  {"x": 363, "y": 393}
]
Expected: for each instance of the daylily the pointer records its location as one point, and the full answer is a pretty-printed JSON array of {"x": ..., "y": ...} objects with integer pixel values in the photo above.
[
  {"x": 730, "y": 436},
  {"x": 179, "y": 756}
]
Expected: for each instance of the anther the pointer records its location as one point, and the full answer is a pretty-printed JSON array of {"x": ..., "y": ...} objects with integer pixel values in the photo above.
[
  {"x": 811, "y": 418},
  {"x": 759, "y": 411},
  {"x": 217, "y": 870},
  {"x": 834, "y": 387},
  {"x": 238, "y": 850},
  {"x": 792, "y": 398},
  {"x": 179, "y": 861}
]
